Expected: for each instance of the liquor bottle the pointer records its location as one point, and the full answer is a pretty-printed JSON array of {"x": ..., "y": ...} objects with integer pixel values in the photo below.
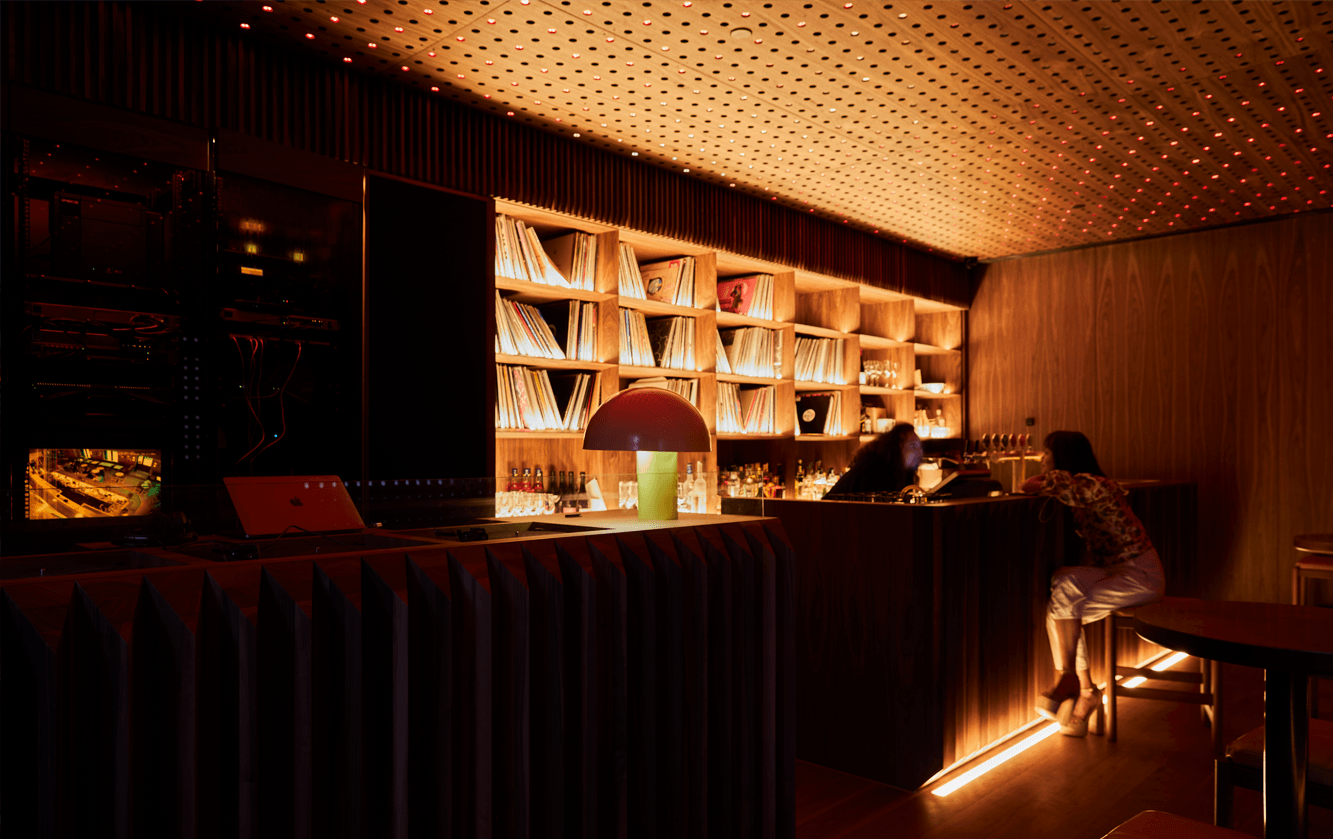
[
  {"x": 513, "y": 484},
  {"x": 685, "y": 490},
  {"x": 537, "y": 485},
  {"x": 526, "y": 484},
  {"x": 559, "y": 488},
  {"x": 700, "y": 488}
]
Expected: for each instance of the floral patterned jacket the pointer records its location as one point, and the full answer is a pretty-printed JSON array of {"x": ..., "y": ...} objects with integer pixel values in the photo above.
[{"x": 1109, "y": 527}]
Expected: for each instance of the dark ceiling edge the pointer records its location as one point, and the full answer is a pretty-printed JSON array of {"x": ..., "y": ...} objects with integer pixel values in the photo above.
[
  {"x": 1167, "y": 235},
  {"x": 860, "y": 229}
]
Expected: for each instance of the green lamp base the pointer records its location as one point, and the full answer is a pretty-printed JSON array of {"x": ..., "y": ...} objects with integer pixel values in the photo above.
[{"x": 657, "y": 486}]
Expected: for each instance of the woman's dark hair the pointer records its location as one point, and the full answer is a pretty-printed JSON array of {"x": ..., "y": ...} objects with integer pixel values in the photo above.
[
  {"x": 1071, "y": 452},
  {"x": 885, "y": 452}
]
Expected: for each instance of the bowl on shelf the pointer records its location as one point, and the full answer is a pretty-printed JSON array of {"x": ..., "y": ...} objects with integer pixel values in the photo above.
[{"x": 933, "y": 387}]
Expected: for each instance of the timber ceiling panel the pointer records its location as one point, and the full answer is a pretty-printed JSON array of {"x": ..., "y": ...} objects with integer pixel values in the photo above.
[{"x": 976, "y": 129}]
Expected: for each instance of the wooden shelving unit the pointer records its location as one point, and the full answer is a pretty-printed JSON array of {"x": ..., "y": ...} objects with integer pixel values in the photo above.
[{"x": 875, "y": 324}]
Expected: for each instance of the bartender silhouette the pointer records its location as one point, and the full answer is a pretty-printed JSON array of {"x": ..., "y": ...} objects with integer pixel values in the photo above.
[{"x": 885, "y": 464}]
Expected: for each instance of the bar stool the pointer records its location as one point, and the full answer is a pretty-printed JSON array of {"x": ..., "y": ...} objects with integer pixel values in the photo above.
[
  {"x": 1154, "y": 824},
  {"x": 1209, "y": 680},
  {"x": 1314, "y": 560},
  {"x": 1243, "y": 766}
]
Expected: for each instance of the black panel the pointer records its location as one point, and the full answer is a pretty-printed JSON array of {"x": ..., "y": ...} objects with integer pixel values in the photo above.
[{"x": 430, "y": 284}]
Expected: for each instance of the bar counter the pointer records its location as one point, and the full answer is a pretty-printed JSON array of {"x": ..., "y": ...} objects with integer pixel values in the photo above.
[
  {"x": 633, "y": 680},
  {"x": 920, "y": 629}
]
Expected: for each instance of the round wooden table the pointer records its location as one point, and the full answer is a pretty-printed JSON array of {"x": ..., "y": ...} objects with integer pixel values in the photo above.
[{"x": 1288, "y": 643}]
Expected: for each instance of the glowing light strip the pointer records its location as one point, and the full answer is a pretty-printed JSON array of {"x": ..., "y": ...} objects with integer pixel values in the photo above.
[
  {"x": 976, "y": 772},
  {"x": 1041, "y": 734},
  {"x": 1170, "y": 662}
]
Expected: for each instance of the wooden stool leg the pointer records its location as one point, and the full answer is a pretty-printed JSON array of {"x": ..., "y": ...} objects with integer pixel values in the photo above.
[
  {"x": 1110, "y": 679},
  {"x": 1205, "y": 686},
  {"x": 1296, "y": 597},
  {"x": 1215, "y": 686}
]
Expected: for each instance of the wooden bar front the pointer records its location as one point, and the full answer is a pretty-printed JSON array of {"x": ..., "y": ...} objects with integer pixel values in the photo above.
[
  {"x": 920, "y": 629},
  {"x": 634, "y": 680}
]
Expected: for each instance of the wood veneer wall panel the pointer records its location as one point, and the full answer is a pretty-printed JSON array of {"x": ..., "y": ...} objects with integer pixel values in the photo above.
[
  {"x": 1204, "y": 356},
  {"x": 156, "y": 60}
]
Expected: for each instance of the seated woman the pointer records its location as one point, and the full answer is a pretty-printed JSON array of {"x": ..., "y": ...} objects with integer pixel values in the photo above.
[
  {"x": 885, "y": 464},
  {"x": 1122, "y": 571}
]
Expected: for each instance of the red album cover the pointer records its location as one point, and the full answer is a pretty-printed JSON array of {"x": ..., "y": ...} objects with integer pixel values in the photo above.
[{"x": 736, "y": 294}]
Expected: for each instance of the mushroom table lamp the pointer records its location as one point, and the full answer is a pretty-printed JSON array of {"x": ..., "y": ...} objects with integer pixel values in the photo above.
[{"x": 656, "y": 424}]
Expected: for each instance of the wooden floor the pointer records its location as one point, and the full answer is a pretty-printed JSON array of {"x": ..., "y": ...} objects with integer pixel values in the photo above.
[{"x": 1062, "y": 787}]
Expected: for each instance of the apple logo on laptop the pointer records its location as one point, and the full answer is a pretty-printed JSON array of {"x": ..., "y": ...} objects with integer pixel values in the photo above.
[{"x": 296, "y": 502}]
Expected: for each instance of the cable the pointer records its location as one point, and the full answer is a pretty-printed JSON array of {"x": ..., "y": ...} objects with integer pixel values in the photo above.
[
  {"x": 282, "y": 405},
  {"x": 245, "y": 390}
]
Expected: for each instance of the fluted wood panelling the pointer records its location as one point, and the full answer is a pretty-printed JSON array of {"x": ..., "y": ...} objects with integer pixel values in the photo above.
[
  {"x": 603, "y": 685},
  {"x": 1205, "y": 357},
  {"x": 151, "y": 59}
]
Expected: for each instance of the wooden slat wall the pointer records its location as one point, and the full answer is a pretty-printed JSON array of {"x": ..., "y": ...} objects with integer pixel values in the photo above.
[
  {"x": 608, "y": 686},
  {"x": 1204, "y": 357},
  {"x": 157, "y": 60}
]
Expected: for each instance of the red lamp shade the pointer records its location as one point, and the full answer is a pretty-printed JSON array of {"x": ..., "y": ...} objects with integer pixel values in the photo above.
[{"x": 647, "y": 419}]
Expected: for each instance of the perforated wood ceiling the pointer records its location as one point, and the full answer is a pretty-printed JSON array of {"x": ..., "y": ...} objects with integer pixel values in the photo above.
[{"x": 985, "y": 129}]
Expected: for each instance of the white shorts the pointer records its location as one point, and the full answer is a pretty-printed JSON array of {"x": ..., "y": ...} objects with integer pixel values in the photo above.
[{"x": 1086, "y": 593}]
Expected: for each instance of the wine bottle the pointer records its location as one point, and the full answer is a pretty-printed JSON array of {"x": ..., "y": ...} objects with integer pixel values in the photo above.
[
  {"x": 526, "y": 484},
  {"x": 700, "y": 488},
  {"x": 537, "y": 482}
]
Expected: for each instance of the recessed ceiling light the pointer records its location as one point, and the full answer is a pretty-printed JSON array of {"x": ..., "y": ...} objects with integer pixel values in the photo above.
[{"x": 741, "y": 33}]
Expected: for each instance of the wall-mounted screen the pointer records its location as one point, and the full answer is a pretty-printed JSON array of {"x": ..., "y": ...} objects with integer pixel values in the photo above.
[{"x": 93, "y": 483}]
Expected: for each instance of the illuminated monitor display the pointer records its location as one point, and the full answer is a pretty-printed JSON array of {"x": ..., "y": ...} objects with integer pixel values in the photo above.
[{"x": 93, "y": 483}]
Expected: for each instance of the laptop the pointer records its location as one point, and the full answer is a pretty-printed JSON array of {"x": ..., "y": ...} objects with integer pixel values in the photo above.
[{"x": 272, "y": 506}]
